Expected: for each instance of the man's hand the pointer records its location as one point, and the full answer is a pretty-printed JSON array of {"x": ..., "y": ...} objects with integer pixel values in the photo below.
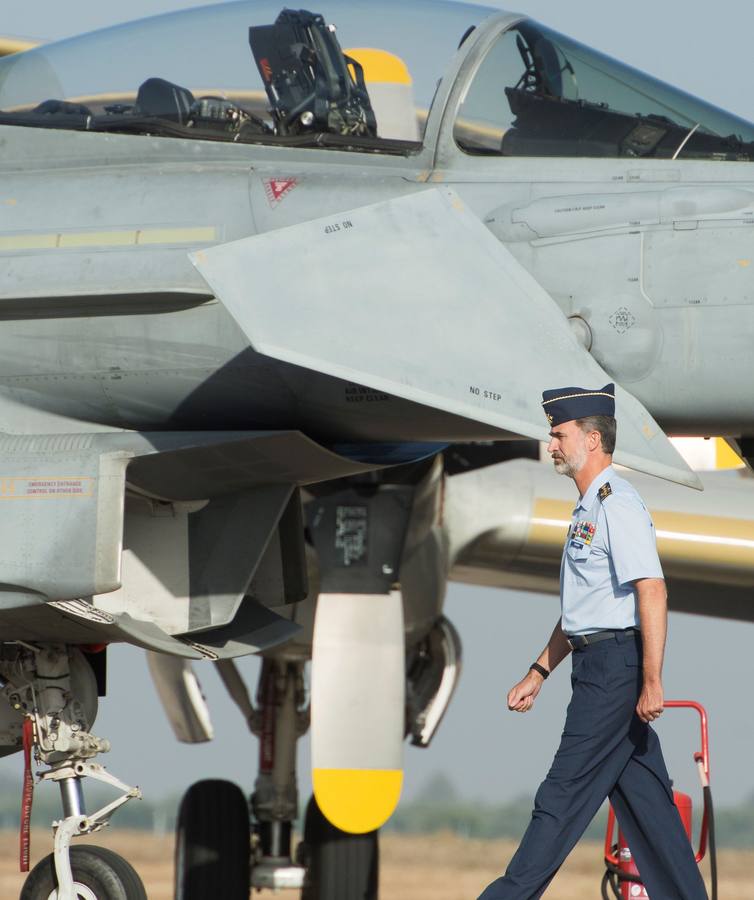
[
  {"x": 521, "y": 697},
  {"x": 651, "y": 701}
]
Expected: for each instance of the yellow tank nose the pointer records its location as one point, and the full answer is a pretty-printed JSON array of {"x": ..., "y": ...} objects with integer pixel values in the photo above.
[{"x": 357, "y": 800}]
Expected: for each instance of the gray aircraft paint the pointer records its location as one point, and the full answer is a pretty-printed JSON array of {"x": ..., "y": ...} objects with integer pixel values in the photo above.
[
  {"x": 428, "y": 244},
  {"x": 103, "y": 367}
]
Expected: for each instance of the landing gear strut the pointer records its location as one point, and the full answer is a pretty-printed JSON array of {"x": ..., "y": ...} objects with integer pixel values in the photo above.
[
  {"x": 215, "y": 840},
  {"x": 53, "y": 690},
  {"x": 281, "y": 718},
  {"x": 214, "y": 832}
]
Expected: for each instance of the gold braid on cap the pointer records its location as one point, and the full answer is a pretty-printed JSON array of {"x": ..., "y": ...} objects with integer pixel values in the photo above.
[{"x": 574, "y": 396}]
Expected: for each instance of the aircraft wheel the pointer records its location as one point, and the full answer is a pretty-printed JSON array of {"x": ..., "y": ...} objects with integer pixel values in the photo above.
[
  {"x": 340, "y": 866},
  {"x": 98, "y": 874},
  {"x": 213, "y": 843}
]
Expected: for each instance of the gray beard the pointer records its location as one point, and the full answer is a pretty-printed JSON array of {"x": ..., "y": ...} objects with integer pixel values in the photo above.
[{"x": 571, "y": 465}]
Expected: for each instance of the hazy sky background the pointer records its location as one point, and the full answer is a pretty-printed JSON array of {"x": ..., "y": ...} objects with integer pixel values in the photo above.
[{"x": 488, "y": 752}]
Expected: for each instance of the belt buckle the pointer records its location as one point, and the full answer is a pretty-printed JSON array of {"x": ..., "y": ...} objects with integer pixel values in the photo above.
[{"x": 571, "y": 643}]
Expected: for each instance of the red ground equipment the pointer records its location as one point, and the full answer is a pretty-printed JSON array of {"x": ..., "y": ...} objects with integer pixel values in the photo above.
[{"x": 622, "y": 880}]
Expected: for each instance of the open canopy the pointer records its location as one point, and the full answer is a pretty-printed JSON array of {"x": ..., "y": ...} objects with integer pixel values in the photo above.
[
  {"x": 93, "y": 81},
  {"x": 252, "y": 71}
]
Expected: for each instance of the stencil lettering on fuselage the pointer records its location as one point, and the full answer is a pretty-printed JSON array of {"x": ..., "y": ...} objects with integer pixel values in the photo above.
[
  {"x": 351, "y": 525},
  {"x": 26, "y": 488},
  {"x": 357, "y": 394}
]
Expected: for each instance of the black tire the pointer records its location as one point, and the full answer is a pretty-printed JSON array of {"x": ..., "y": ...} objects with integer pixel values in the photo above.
[
  {"x": 339, "y": 866},
  {"x": 213, "y": 843},
  {"x": 106, "y": 875}
]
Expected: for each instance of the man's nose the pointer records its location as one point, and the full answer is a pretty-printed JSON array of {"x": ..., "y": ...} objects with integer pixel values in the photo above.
[{"x": 551, "y": 445}]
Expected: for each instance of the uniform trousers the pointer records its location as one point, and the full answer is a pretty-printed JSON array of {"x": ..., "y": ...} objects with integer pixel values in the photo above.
[{"x": 605, "y": 751}]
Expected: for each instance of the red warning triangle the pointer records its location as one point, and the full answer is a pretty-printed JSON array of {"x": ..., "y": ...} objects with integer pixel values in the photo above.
[{"x": 277, "y": 188}]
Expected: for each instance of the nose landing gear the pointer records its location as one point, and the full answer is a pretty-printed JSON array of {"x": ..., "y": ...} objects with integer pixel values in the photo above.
[
  {"x": 97, "y": 874},
  {"x": 52, "y": 690}
]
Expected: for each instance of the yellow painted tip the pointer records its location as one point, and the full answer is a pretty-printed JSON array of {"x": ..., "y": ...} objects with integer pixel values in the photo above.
[
  {"x": 379, "y": 65},
  {"x": 725, "y": 456},
  {"x": 9, "y": 45},
  {"x": 357, "y": 800}
]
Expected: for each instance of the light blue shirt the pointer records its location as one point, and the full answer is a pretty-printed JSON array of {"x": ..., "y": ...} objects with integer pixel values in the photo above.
[{"x": 611, "y": 543}]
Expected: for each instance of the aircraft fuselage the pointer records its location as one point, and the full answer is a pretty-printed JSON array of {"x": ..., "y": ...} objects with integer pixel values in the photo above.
[{"x": 106, "y": 320}]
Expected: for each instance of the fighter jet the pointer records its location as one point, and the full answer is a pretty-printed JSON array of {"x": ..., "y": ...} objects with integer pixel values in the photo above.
[{"x": 265, "y": 284}]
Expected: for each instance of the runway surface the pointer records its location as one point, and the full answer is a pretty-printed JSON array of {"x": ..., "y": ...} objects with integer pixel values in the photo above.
[{"x": 436, "y": 867}]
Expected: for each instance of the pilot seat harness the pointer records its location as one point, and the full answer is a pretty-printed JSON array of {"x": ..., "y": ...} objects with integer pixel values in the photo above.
[{"x": 622, "y": 880}]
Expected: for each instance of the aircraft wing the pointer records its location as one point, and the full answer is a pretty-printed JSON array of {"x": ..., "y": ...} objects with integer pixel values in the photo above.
[
  {"x": 415, "y": 297},
  {"x": 507, "y": 524}
]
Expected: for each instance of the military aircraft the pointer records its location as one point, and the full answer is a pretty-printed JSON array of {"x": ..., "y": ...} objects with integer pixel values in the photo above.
[{"x": 264, "y": 299}]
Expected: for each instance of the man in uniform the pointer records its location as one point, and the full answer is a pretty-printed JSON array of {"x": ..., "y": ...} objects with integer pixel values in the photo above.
[{"x": 614, "y": 619}]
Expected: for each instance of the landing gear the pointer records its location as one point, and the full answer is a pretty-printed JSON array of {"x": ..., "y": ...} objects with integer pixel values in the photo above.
[
  {"x": 217, "y": 845},
  {"x": 340, "y": 866},
  {"x": 280, "y": 719},
  {"x": 98, "y": 874},
  {"x": 52, "y": 690},
  {"x": 212, "y": 843}
]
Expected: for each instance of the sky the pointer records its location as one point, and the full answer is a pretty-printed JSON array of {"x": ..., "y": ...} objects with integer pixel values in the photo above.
[{"x": 488, "y": 752}]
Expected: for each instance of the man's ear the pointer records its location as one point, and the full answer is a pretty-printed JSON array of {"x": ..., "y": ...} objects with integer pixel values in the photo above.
[{"x": 594, "y": 439}]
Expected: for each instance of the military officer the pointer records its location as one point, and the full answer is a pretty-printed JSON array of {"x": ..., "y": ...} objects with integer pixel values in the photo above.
[{"x": 614, "y": 619}]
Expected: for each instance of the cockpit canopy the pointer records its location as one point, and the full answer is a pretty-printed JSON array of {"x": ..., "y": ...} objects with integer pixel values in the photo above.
[
  {"x": 539, "y": 93},
  {"x": 359, "y": 75},
  {"x": 204, "y": 72}
]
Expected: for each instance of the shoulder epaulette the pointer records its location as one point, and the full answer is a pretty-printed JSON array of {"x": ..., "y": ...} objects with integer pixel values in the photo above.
[{"x": 605, "y": 491}]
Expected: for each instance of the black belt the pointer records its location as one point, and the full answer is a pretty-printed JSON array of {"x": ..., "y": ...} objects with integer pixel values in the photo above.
[{"x": 579, "y": 641}]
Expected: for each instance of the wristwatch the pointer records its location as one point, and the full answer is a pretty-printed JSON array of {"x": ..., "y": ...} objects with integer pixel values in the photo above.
[{"x": 541, "y": 669}]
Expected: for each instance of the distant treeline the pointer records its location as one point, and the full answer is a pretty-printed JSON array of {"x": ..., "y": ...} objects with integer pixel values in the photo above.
[
  {"x": 438, "y": 807},
  {"x": 141, "y": 814}
]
